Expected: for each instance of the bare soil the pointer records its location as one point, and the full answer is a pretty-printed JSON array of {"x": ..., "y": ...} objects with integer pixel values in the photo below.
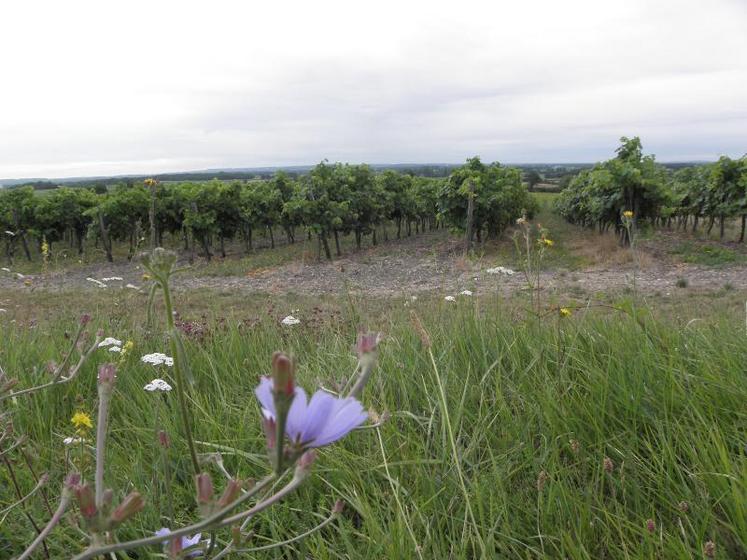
[{"x": 431, "y": 262}]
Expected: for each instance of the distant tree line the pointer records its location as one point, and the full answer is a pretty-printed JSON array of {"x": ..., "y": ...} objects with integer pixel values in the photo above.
[
  {"x": 685, "y": 196},
  {"x": 330, "y": 201}
]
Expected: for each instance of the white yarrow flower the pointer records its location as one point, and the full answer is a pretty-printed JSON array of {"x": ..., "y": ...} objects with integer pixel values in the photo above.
[
  {"x": 115, "y": 349},
  {"x": 72, "y": 440},
  {"x": 158, "y": 385},
  {"x": 290, "y": 320},
  {"x": 501, "y": 270},
  {"x": 157, "y": 359},
  {"x": 109, "y": 341},
  {"x": 450, "y": 298},
  {"x": 465, "y": 293}
]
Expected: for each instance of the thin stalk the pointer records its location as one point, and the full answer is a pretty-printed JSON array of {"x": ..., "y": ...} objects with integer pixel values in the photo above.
[
  {"x": 101, "y": 426},
  {"x": 64, "y": 503},
  {"x": 178, "y": 373},
  {"x": 216, "y": 520},
  {"x": 455, "y": 452},
  {"x": 286, "y": 542},
  {"x": 19, "y": 494}
]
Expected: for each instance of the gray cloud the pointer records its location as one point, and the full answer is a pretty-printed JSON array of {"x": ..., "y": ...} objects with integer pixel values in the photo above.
[{"x": 242, "y": 85}]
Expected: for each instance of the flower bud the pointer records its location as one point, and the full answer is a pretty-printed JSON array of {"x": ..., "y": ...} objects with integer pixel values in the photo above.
[
  {"x": 131, "y": 505},
  {"x": 367, "y": 343},
  {"x": 85, "y": 319},
  {"x": 107, "y": 375},
  {"x": 86, "y": 501},
  {"x": 236, "y": 536},
  {"x": 282, "y": 374},
  {"x": 609, "y": 466},
  {"x": 303, "y": 467},
  {"x": 233, "y": 488},
  {"x": 338, "y": 507},
  {"x": 650, "y": 526},
  {"x": 204, "y": 485},
  {"x": 709, "y": 549},
  {"x": 72, "y": 480},
  {"x": 163, "y": 439}
]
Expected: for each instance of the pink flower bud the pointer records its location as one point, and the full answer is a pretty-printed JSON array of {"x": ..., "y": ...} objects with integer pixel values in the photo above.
[
  {"x": 85, "y": 319},
  {"x": 107, "y": 374},
  {"x": 163, "y": 439},
  {"x": 304, "y": 463},
  {"x": 282, "y": 374},
  {"x": 100, "y": 333},
  {"x": 72, "y": 480},
  {"x": 204, "y": 485},
  {"x": 650, "y": 525},
  {"x": 86, "y": 501},
  {"x": 338, "y": 507},
  {"x": 367, "y": 343},
  {"x": 131, "y": 505},
  {"x": 230, "y": 493}
]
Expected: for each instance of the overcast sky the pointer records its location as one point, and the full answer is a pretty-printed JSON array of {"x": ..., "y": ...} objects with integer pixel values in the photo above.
[{"x": 96, "y": 88}]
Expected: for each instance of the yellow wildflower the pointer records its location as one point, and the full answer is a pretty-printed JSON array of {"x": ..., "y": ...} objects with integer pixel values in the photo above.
[
  {"x": 628, "y": 214},
  {"x": 129, "y": 345},
  {"x": 45, "y": 248},
  {"x": 548, "y": 242},
  {"x": 565, "y": 312},
  {"x": 146, "y": 277},
  {"x": 81, "y": 420}
]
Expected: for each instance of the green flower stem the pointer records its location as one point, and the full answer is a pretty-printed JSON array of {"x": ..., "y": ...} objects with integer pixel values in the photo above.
[
  {"x": 179, "y": 375},
  {"x": 217, "y": 520}
]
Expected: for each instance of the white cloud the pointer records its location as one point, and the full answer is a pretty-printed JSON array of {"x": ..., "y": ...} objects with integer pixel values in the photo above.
[{"x": 99, "y": 88}]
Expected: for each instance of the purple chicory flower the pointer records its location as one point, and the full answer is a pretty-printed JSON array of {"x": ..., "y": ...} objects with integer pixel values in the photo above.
[
  {"x": 317, "y": 422},
  {"x": 182, "y": 544}
]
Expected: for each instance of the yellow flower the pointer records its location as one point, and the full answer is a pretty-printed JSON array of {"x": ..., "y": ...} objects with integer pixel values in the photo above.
[
  {"x": 45, "y": 248},
  {"x": 81, "y": 420},
  {"x": 628, "y": 214},
  {"x": 129, "y": 345},
  {"x": 565, "y": 312},
  {"x": 146, "y": 277},
  {"x": 548, "y": 242}
]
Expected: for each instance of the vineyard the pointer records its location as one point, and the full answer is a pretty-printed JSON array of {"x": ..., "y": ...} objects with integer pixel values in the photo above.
[
  {"x": 329, "y": 202},
  {"x": 632, "y": 182}
]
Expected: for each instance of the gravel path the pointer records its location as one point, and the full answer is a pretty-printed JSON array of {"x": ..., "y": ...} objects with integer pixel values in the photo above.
[{"x": 417, "y": 266}]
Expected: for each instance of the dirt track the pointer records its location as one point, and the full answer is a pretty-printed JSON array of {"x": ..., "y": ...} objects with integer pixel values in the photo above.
[{"x": 424, "y": 264}]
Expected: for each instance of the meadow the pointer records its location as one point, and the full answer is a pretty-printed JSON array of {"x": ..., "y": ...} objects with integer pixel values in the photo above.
[
  {"x": 616, "y": 432},
  {"x": 605, "y": 419}
]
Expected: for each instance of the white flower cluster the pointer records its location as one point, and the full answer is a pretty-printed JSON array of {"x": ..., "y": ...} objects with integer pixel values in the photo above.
[
  {"x": 157, "y": 359},
  {"x": 465, "y": 293},
  {"x": 450, "y": 298},
  {"x": 158, "y": 385},
  {"x": 109, "y": 341},
  {"x": 290, "y": 320},
  {"x": 501, "y": 270},
  {"x": 73, "y": 440}
]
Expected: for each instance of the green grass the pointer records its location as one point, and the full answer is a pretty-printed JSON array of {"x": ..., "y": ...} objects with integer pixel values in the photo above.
[
  {"x": 450, "y": 474},
  {"x": 708, "y": 255}
]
